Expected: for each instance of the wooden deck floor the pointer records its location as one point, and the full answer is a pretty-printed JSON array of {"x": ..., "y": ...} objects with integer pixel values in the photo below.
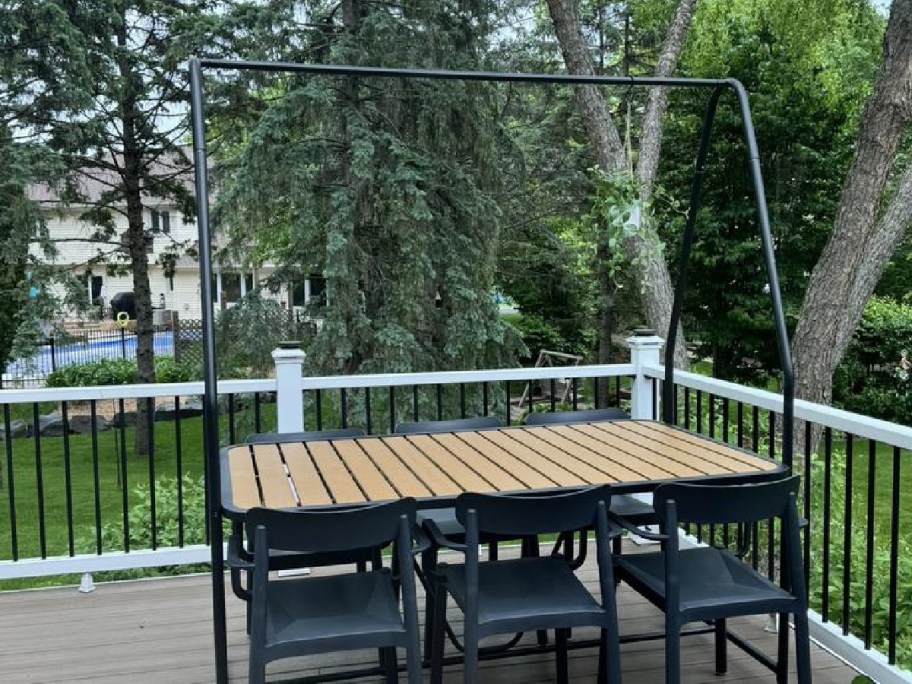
[{"x": 160, "y": 631}]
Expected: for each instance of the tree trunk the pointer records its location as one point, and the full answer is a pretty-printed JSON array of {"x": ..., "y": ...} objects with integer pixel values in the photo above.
[
  {"x": 131, "y": 174},
  {"x": 658, "y": 294},
  {"x": 859, "y": 246}
]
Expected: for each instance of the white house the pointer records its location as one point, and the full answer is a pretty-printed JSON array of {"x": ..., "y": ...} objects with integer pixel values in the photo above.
[{"x": 105, "y": 268}]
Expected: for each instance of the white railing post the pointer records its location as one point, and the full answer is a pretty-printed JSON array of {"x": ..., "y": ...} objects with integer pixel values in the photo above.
[
  {"x": 289, "y": 360},
  {"x": 645, "y": 347}
]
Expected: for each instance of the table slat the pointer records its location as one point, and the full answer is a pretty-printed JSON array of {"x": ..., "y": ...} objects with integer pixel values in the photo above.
[
  {"x": 559, "y": 474},
  {"x": 372, "y": 481},
  {"x": 429, "y": 472},
  {"x": 478, "y": 461},
  {"x": 341, "y": 484},
  {"x": 273, "y": 479},
  {"x": 399, "y": 475},
  {"x": 307, "y": 482},
  {"x": 522, "y": 470},
  {"x": 534, "y": 439},
  {"x": 642, "y": 451},
  {"x": 244, "y": 490},
  {"x": 602, "y": 456},
  {"x": 466, "y": 478}
]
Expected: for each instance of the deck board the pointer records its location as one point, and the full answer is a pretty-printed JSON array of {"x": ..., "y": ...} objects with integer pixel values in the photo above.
[{"x": 152, "y": 631}]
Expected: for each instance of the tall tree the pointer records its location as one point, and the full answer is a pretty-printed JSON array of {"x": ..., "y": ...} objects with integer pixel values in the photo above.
[
  {"x": 386, "y": 188},
  {"x": 872, "y": 218},
  {"x": 807, "y": 79},
  {"x": 657, "y": 292},
  {"x": 42, "y": 81},
  {"x": 130, "y": 143}
]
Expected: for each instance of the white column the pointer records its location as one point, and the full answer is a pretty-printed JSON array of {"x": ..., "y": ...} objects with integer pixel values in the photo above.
[
  {"x": 289, "y": 360},
  {"x": 645, "y": 348}
]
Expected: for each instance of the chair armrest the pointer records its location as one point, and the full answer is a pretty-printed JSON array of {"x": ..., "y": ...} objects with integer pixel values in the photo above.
[
  {"x": 420, "y": 541},
  {"x": 234, "y": 557},
  {"x": 620, "y": 524},
  {"x": 439, "y": 538}
]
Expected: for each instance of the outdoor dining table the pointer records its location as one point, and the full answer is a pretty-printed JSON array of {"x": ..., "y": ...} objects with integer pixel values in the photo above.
[{"x": 630, "y": 455}]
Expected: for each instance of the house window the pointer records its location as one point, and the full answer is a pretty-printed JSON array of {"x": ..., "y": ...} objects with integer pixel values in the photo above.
[
  {"x": 161, "y": 221},
  {"x": 231, "y": 287},
  {"x": 94, "y": 284},
  {"x": 248, "y": 283},
  {"x": 317, "y": 290}
]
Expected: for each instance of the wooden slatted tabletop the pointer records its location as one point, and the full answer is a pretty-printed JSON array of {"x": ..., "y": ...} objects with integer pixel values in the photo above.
[{"x": 633, "y": 455}]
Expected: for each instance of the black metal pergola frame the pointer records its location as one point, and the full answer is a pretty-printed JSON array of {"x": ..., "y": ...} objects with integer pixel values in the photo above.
[{"x": 210, "y": 409}]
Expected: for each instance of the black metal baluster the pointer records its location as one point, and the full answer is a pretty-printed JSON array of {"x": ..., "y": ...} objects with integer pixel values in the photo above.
[
  {"x": 894, "y": 559},
  {"x": 232, "y": 431},
  {"x": 439, "y": 401},
  {"x": 343, "y": 404},
  {"x": 847, "y": 535},
  {"x": 392, "y": 408},
  {"x": 367, "y": 409},
  {"x": 677, "y": 402},
  {"x": 124, "y": 493},
  {"x": 807, "y": 502},
  {"x": 655, "y": 395},
  {"x": 68, "y": 477},
  {"x": 699, "y": 411},
  {"x": 617, "y": 390},
  {"x": 179, "y": 465},
  {"x": 96, "y": 476},
  {"x": 869, "y": 551},
  {"x": 319, "y": 408},
  {"x": 257, "y": 413},
  {"x": 485, "y": 399},
  {"x": 462, "y": 400},
  {"x": 827, "y": 484},
  {"x": 39, "y": 480},
  {"x": 508, "y": 403},
  {"x": 712, "y": 415},
  {"x": 740, "y": 418},
  {"x": 687, "y": 408},
  {"x": 415, "y": 403},
  {"x": 755, "y": 429},
  {"x": 595, "y": 392},
  {"x": 573, "y": 389},
  {"x": 771, "y": 524},
  {"x": 150, "y": 422},
  {"x": 11, "y": 482}
]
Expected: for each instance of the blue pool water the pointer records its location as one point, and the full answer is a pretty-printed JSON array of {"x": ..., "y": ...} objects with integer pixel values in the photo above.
[{"x": 109, "y": 347}]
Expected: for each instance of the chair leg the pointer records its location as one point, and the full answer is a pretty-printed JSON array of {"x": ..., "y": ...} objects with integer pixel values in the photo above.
[
  {"x": 429, "y": 568},
  {"x": 470, "y": 644},
  {"x": 803, "y": 647},
  {"x": 721, "y": 648},
  {"x": 609, "y": 663},
  {"x": 530, "y": 549},
  {"x": 390, "y": 664},
  {"x": 782, "y": 659},
  {"x": 492, "y": 551},
  {"x": 672, "y": 649},
  {"x": 438, "y": 632},
  {"x": 563, "y": 671},
  {"x": 256, "y": 672}
]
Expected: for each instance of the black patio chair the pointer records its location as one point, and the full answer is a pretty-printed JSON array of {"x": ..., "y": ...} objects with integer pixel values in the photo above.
[
  {"x": 308, "y": 615},
  {"x": 710, "y": 584},
  {"x": 441, "y": 522},
  {"x": 240, "y": 556},
  {"x": 532, "y": 593},
  {"x": 628, "y": 507}
]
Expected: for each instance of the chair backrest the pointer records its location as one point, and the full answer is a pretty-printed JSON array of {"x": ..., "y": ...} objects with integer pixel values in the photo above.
[
  {"x": 718, "y": 504},
  {"x": 522, "y": 515},
  {"x": 586, "y": 415},
  {"x": 333, "y": 529},
  {"x": 307, "y": 436},
  {"x": 423, "y": 427}
]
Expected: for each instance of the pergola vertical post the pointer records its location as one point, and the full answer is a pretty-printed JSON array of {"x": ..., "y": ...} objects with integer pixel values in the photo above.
[
  {"x": 645, "y": 349},
  {"x": 289, "y": 360}
]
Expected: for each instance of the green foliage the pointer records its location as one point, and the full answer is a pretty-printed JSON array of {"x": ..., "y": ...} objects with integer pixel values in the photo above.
[
  {"x": 172, "y": 513},
  {"x": 246, "y": 334},
  {"x": 871, "y": 379},
  {"x": 386, "y": 189},
  {"x": 807, "y": 79},
  {"x": 119, "y": 372}
]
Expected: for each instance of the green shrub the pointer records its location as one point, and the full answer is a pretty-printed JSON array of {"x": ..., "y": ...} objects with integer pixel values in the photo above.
[
  {"x": 869, "y": 380},
  {"x": 118, "y": 372},
  {"x": 167, "y": 529}
]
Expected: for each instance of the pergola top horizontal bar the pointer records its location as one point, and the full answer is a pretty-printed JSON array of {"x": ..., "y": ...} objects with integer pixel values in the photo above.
[{"x": 441, "y": 74}]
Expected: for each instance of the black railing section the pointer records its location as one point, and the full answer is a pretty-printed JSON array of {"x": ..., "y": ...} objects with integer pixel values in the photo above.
[
  {"x": 81, "y": 477},
  {"x": 856, "y": 544}
]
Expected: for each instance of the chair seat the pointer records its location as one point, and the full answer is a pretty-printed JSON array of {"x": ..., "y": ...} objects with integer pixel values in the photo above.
[
  {"x": 321, "y": 609},
  {"x": 525, "y": 591},
  {"x": 713, "y": 584}
]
